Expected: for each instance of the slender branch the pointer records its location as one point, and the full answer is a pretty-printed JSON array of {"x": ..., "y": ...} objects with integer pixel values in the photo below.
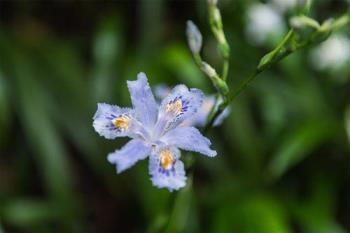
[
  {"x": 342, "y": 21},
  {"x": 284, "y": 49},
  {"x": 225, "y": 69}
]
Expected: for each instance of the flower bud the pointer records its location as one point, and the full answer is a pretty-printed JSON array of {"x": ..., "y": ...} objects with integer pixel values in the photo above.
[
  {"x": 304, "y": 5},
  {"x": 208, "y": 70},
  {"x": 194, "y": 37},
  {"x": 217, "y": 28},
  {"x": 324, "y": 31},
  {"x": 326, "y": 26},
  {"x": 302, "y": 21},
  {"x": 219, "y": 84},
  {"x": 213, "y": 2}
]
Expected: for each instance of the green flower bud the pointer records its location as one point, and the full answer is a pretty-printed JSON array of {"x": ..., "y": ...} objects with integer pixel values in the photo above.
[
  {"x": 301, "y": 22},
  {"x": 194, "y": 37},
  {"x": 213, "y": 2},
  {"x": 219, "y": 84},
  {"x": 208, "y": 70}
]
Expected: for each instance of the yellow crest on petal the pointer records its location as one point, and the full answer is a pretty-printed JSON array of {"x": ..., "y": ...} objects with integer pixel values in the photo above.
[
  {"x": 121, "y": 122},
  {"x": 175, "y": 107},
  {"x": 166, "y": 159}
]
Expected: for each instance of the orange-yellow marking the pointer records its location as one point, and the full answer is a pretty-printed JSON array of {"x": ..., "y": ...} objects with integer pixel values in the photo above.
[
  {"x": 166, "y": 159},
  {"x": 175, "y": 107},
  {"x": 121, "y": 122}
]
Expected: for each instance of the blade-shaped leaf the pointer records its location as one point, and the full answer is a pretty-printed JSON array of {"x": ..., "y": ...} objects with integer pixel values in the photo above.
[
  {"x": 50, "y": 154},
  {"x": 299, "y": 143}
]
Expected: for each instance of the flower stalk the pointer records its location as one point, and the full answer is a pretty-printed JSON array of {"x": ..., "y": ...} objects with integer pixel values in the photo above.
[
  {"x": 290, "y": 43},
  {"x": 216, "y": 26},
  {"x": 195, "y": 43}
]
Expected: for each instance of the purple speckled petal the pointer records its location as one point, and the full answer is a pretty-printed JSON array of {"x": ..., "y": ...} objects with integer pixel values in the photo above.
[
  {"x": 200, "y": 117},
  {"x": 129, "y": 154},
  {"x": 173, "y": 178},
  {"x": 190, "y": 139},
  {"x": 145, "y": 106},
  {"x": 182, "y": 103},
  {"x": 104, "y": 117}
]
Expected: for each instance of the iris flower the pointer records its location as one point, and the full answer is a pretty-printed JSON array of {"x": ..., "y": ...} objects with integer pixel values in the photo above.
[
  {"x": 155, "y": 131},
  {"x": 199, "y": 119}
]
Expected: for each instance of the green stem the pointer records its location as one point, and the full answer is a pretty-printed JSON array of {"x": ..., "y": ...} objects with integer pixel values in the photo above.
[
  {"x": 225, "y": 69},
  {"x": 341, "y": 21},
  {"x": 285, "y": 40},
  {"x": 198, "y": 60}
]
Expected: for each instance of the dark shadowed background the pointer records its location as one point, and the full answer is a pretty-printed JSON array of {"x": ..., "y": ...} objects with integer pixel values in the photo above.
[{"x": 283, "y": 161}]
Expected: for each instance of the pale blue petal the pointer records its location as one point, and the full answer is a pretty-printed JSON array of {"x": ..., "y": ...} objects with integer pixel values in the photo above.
[
  {"x": 190, "y": 139},
  {"x": 145, "y": 106},
  {"x": 161, "y": 91},
  {"x": 104, "y": 117},
  {"x": 182, "y": 103},
  {"x": 200, "y": 118},
  {"x": 173, "y": 178},
  {"x": 129, "y": 154},
  {"x": 218, "y": 121}
]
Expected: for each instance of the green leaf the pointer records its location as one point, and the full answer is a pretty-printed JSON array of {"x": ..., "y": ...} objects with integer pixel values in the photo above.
[
  {"x": 243, "y": 134},
  {"x": 259, "y": 213},
  {"x": 177, "y": 59},
  {"x": 271, "y": 57},
  {"x": 26, "y": 212},
  {"x": 347, "y": 123},
  {"x": 1, "y": 229},
  {"x": 72, "y": 111},
  {"x": 317, "y": 210},
  {"x": 50, "y": 154},
  {"x": 5, "y": 111},
  {"x": 180, "y": 217},
  {"x": 266, "y": 59},
  {"x": 108, "y": 46},
  {"x": 299, "y": 143}
]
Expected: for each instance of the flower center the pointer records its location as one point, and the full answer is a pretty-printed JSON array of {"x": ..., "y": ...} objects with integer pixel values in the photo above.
[
  {"x": 174, "y": 107},
  {"x": 121, "y": 122},
  {"x": 166, "y": 159}
]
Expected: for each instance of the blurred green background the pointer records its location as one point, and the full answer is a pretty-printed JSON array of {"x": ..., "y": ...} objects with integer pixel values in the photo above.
[{"x": 283, "y": 163}]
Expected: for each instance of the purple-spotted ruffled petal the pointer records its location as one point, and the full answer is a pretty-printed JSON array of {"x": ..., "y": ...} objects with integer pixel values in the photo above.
[
  {"x": 190, "y": 139},
  {"x": 182, "y": 103},
  {"x": 200, "y": 118},
  {"x": 129, "y": 154},
  {"x": 169, "y": 175},
  {"x": 145, "y": 106},
  {"x": 107, "y": 119}
]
